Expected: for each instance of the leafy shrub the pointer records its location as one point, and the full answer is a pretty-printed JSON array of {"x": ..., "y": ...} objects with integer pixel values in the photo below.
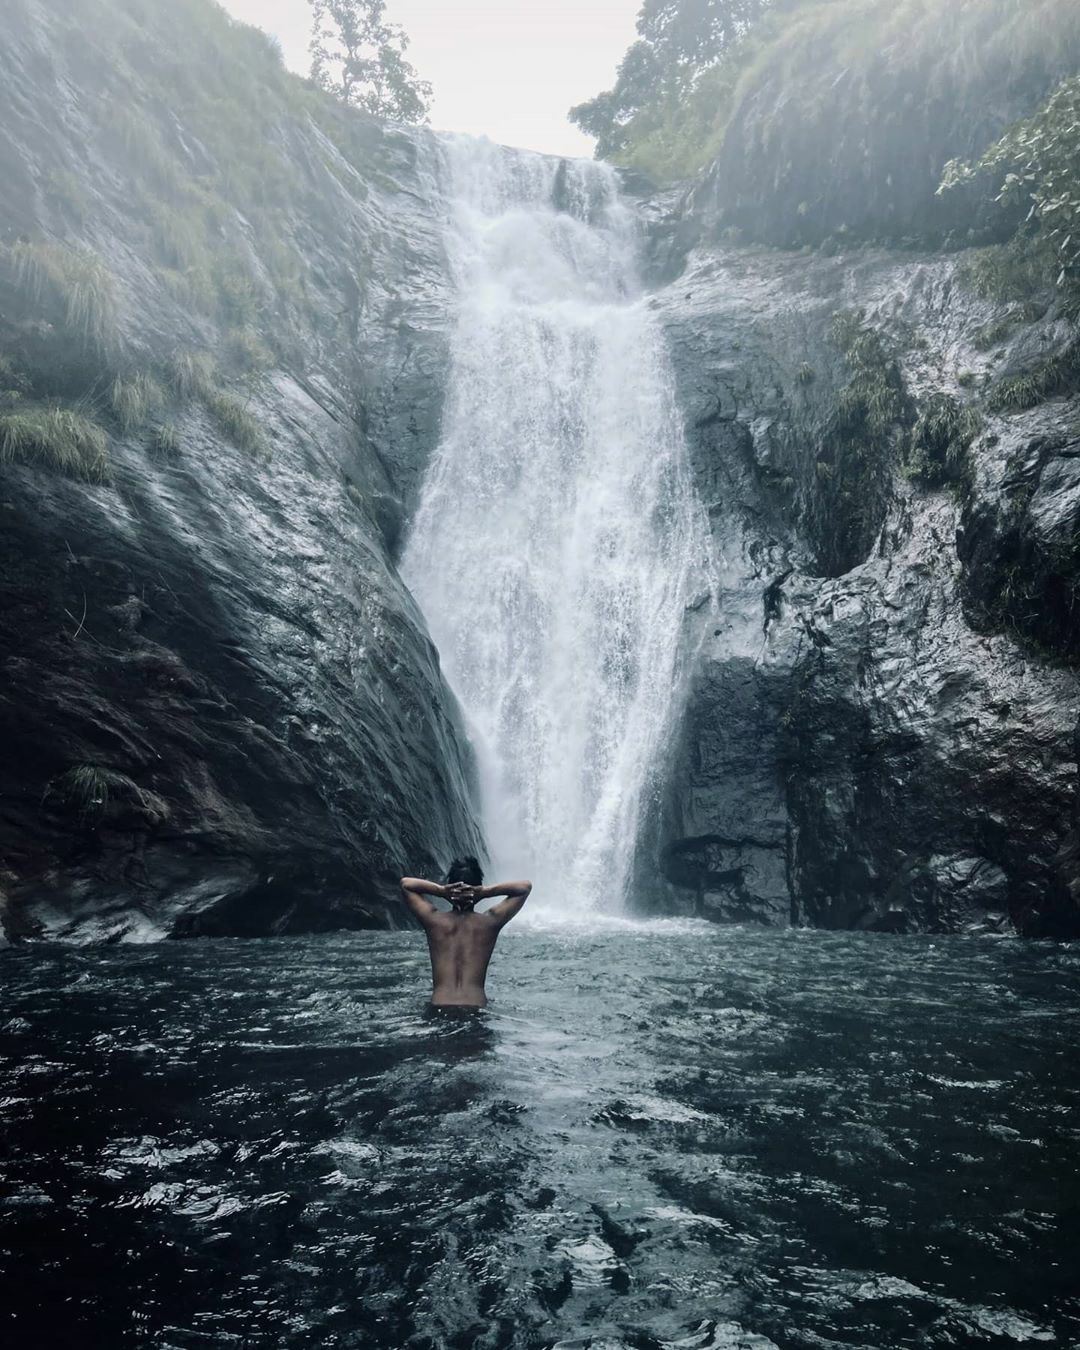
[
  {"x": 1040, "y": 158},
  {"x": 55, "y": 438}
]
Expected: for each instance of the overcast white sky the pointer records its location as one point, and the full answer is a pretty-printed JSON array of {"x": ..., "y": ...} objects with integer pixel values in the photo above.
[{"x": 508, "y": 69}]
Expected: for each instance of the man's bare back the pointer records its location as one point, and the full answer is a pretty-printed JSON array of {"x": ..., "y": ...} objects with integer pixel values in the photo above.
[{"x": 461, "y": 942}]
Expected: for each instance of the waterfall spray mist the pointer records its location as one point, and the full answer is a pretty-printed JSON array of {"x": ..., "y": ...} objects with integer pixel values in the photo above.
[{"x": 558, "y": 532}]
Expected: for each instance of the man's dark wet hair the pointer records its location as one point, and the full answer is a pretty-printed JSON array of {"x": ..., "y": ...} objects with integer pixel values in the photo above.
[{"x": 467, "y": 870}]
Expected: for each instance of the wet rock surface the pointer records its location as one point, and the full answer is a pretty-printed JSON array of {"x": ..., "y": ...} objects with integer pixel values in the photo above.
[
  {"x": 221, "y": 712},
  {"x": 891, "y": 746}
]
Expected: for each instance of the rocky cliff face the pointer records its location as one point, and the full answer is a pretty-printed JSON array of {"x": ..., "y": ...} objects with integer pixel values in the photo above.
[
  {"x": 220, "y": 379},
  {"x": 880, "y": 725},
  {"x": 220, "y": 709}
]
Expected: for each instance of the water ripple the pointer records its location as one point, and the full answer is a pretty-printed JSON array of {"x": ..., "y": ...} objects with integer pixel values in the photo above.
[{"x": 661, "y": 1138}]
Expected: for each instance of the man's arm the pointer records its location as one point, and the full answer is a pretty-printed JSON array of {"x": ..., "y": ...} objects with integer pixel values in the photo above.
[
  {"x": 413, "y": 891},
  {"x": 516, "y": 892}
]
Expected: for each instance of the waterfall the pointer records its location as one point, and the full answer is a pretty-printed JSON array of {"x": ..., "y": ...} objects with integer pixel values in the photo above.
[{"x": 557, "y": 535}]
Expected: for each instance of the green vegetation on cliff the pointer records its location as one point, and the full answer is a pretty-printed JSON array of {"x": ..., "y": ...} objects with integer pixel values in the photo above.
[
  {"x": 837, "y": 117},
  {"x": 90, "y": 790},
  {"x": 1037, "y": 163},
  {"x": 679, "y": 42},
  {"x": 190, "y": 131},
  {"x": 71, "y": 285},
  {"x": 940, "y": 441},
  {"x": 57, "y": 438}
]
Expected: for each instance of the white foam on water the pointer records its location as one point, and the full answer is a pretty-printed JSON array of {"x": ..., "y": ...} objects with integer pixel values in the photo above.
[
  {"x": 557, "y": 540},
  {"x": 589, "y": 923}
]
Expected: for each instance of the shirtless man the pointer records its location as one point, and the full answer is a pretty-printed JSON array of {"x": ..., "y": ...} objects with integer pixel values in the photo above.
[{"x": 462, "y": 941}]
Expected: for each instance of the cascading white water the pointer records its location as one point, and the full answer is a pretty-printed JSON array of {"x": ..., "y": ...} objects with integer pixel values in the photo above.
[{"x": 557, "y": 534}]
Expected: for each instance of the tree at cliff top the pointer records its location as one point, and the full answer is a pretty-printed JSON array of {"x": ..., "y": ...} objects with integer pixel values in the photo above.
[
  {"x": 679, "y": 40},
  {"x": 360, "y": 57}
]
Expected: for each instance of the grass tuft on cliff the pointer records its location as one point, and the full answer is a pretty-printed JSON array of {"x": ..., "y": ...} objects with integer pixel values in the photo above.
[
  {"x": 72, "y": 286},
  {"x": 55, "y": 438},
  {"x": 134, "y": 400},
  {"x": 166, "y": 439},
  {"x": 233, "y": 418},
  {"x": 194, "y": 374},
  {"x": 872, "y": 400},
  {"x": 1059, "y": 374},
  {"x": 940, "y": 440},
  {"x": 1017, "y": 271},
  {"x": 247, "y": 351}
]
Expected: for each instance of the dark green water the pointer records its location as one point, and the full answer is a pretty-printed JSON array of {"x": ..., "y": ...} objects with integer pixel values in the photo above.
[{"x": 664, "y": 1137}]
